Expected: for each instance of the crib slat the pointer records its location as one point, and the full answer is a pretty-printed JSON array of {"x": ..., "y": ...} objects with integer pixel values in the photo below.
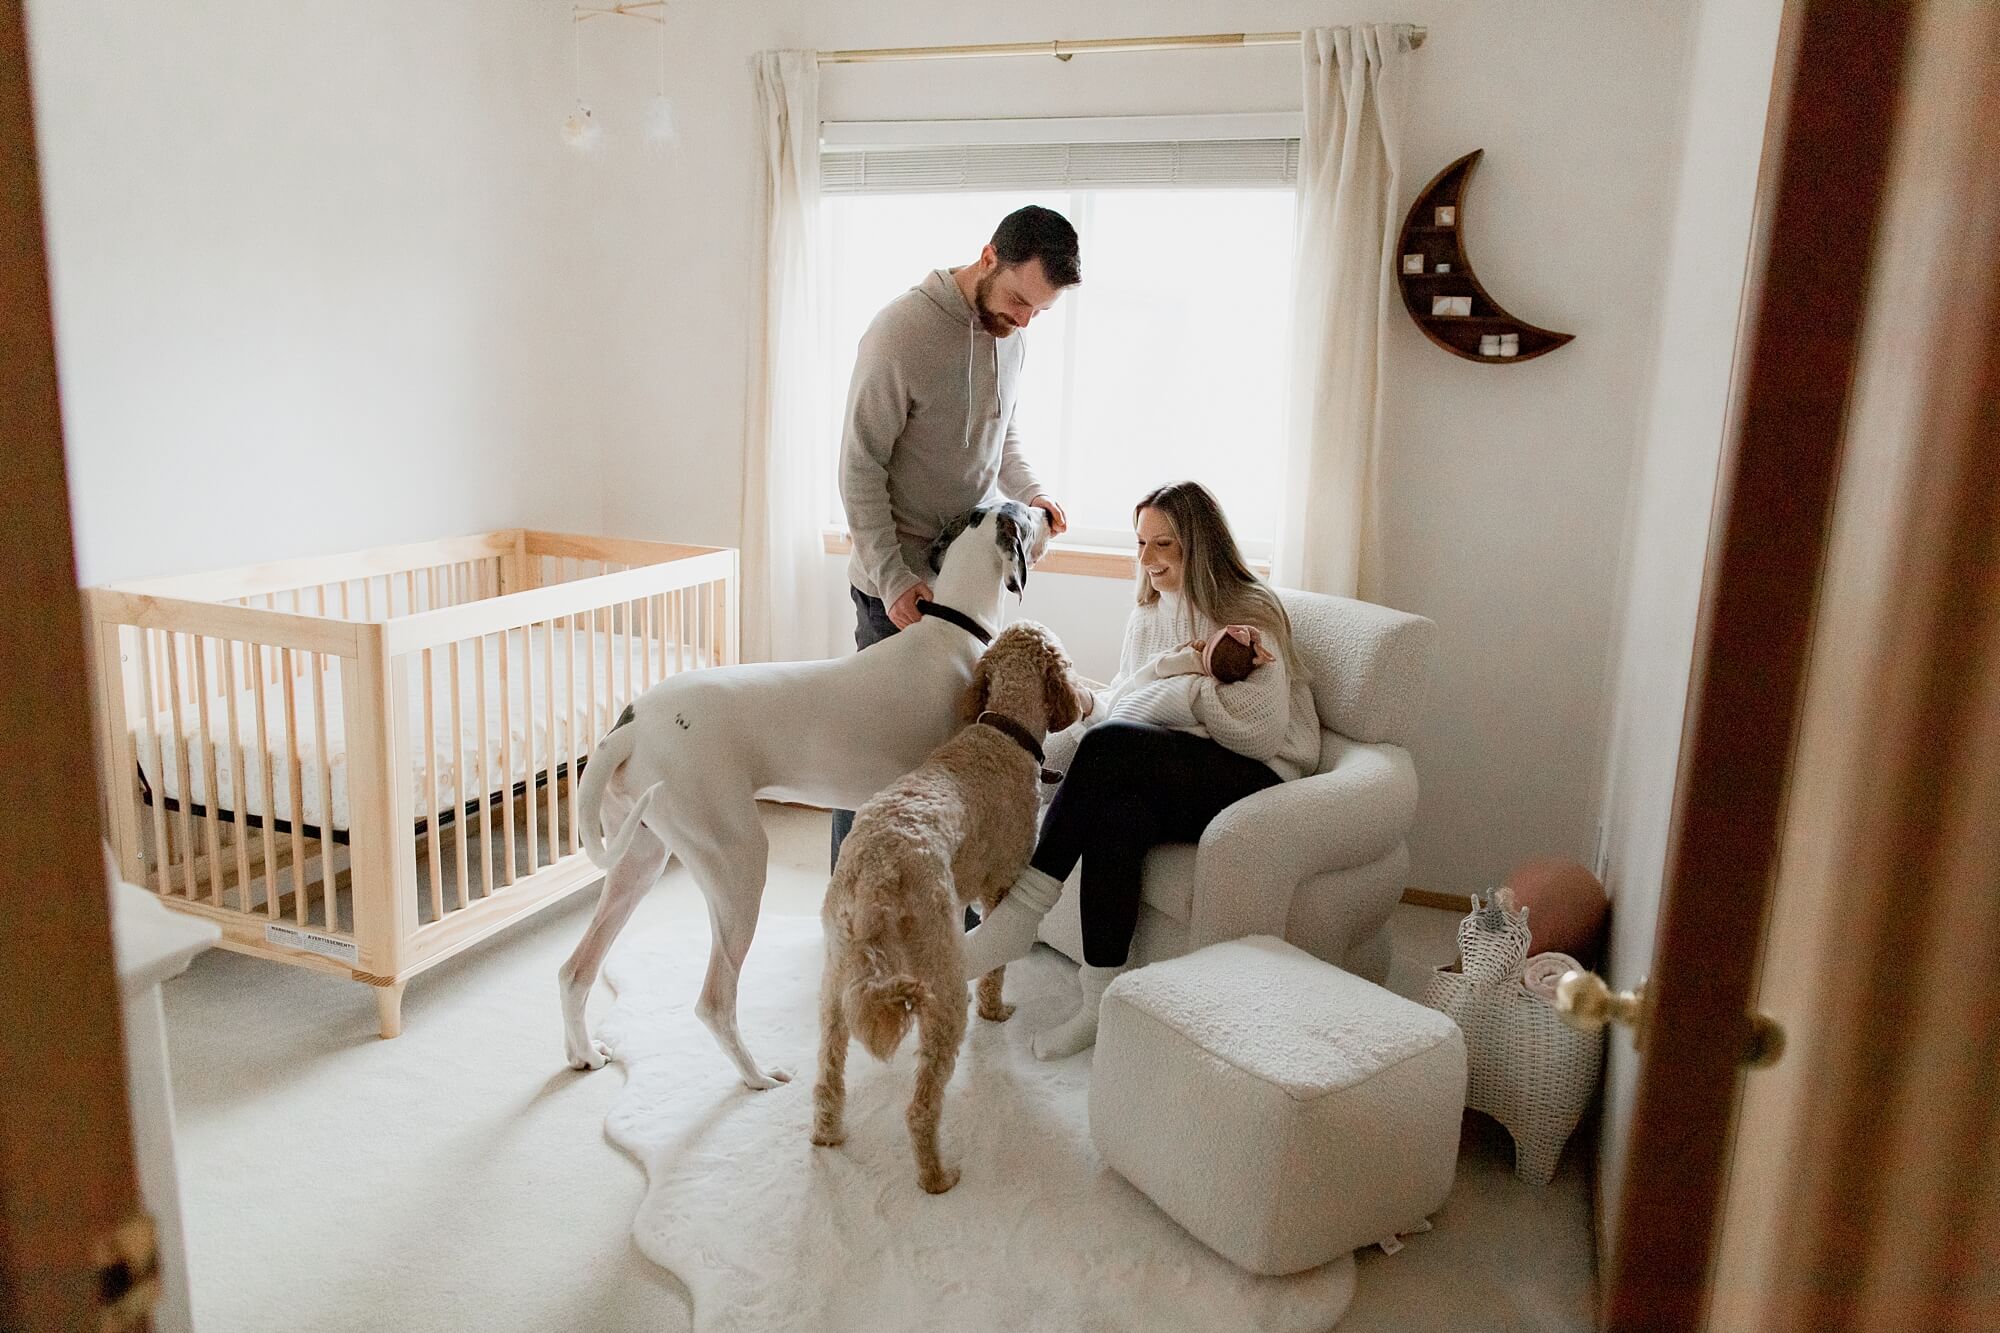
[
  {"x": 480, "y": 787},
  {"x": 646, "y": 646},
  {"x": 575, "y": 731},
  {"x": 631, "y": 650},
  {"x": 212, "y": 822},
  {"x": 431, "y": 792},
  {"x": 609, "y": 630},
  {"x": 327, "y": 889},
  {"x": 459, "y": 788},
  {"x": 714, "y": 623},
  {"x": 268, "y": 764},
  {"x": 295, "y": 777},
  {"x": 181, "y": 754},
  {"x": 591, "y": 681},
  {"x": 680, "y": 627},
  {"x": 576, "y": 725},
  {"x": 241, "y": 773},
  {"x": 152, "y": 736},
  {"x": 507, "y": 755},
  {"x": 549, "y": 719},
  {"x": 530, "y": 795}
]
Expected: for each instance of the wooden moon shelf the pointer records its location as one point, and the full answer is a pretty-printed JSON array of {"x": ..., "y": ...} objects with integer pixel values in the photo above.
[{"x": 1444, "y": 243}]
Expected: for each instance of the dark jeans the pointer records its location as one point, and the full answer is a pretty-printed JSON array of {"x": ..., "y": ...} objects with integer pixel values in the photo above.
[{"x": 1130, "y": 788}]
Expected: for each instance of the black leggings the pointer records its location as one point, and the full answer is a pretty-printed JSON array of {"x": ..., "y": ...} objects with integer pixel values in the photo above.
[{"x": 1130, "y": 788}]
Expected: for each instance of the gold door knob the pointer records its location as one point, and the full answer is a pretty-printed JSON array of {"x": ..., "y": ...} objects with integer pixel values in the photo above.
[{"x": 1586, "y": 1003}]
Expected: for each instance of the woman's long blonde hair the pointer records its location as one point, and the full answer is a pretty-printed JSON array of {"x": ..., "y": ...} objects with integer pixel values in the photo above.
[{"x": 1217, "y": 581}]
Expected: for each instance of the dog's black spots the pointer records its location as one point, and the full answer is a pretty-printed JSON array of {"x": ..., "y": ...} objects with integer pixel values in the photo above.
[
  {"x": 680, "y": 720},
  {"x": 623, "y": 717}
]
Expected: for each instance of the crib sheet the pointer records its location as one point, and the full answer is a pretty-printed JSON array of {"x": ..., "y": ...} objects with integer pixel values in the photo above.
[{"x": 533, "y": 750}]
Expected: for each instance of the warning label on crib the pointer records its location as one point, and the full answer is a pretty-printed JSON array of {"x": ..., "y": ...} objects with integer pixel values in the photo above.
[{"x": 345, "y": 950}]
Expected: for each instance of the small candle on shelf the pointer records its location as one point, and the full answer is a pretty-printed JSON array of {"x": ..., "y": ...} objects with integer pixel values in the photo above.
[
  {"x": 1443, "y": 267},
  {"x": 1489, "y": 344},
  {"x": 1510, "y": 344}
]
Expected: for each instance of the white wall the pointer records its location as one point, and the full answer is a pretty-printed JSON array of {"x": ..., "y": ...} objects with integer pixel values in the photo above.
[
  {"x": 314, "y": 275},
  {"x": 1505, "y": 487},
  {"x": 326, "y": 276},
  {"x": 1673, "y": 494}
]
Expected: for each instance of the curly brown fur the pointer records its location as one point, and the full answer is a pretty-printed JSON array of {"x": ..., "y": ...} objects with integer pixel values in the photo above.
[{"x": 957, "y": 829}]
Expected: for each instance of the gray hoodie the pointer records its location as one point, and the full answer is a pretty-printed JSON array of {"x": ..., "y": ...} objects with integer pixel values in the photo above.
[{"x": 929, "y": 431}]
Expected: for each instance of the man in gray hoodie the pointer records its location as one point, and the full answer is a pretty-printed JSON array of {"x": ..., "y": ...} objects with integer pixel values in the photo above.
[{"x": 930, "y": 416}]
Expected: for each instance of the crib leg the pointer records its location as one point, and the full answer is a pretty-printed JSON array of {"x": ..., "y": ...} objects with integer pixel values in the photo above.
[{"x": 389, "y": 1008}]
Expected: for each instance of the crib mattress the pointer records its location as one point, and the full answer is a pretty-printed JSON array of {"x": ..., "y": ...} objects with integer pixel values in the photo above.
[{"x": 534, "y": 746}]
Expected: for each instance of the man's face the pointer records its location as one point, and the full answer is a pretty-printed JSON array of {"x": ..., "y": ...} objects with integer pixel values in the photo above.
[{"x": 1011, "y": 295}]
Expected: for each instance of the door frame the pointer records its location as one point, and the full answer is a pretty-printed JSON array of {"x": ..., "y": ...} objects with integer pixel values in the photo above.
[
  {"x": 69, "y": 1195},
  {"x": 1850, "y": 118}
]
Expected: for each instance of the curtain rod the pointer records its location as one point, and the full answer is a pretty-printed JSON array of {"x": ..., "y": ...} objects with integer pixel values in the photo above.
[{"x": 1062, "y": 50}]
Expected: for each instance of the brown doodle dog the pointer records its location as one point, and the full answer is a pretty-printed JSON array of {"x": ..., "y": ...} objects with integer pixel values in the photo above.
[{"x": 956, "y": 830}]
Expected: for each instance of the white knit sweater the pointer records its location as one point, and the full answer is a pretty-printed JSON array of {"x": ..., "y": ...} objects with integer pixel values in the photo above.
[{"x": 1267, "y": 716}]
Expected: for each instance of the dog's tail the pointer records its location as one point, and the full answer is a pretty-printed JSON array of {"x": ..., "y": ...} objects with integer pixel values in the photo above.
[
  {"x": 882, "y": 994},
  {"x": 613, "y": 751}
]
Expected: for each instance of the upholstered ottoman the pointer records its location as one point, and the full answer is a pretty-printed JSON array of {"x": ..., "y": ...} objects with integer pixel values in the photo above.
[{"x": 1284, "y": 1111}]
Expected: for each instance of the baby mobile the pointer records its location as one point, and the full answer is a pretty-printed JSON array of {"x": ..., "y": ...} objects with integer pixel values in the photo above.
[{"x": 580, "y": 128}]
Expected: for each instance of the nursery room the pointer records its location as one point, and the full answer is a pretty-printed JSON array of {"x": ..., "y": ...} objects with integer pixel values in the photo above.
[{"x": 815, "y": 665}]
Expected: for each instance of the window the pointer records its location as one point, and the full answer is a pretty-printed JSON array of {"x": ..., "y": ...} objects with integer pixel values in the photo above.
[{"x": 1168, "y": 362}]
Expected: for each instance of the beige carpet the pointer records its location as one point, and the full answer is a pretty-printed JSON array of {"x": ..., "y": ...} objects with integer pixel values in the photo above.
[{"x": 458, "y": 1178}]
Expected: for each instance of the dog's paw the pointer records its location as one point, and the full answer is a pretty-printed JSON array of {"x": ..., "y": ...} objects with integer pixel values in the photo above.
[
  {"x": 769, "y": 1079},
  {"x": 938, "y": 1181},
  {"x": 998, "y": 1013},
  {"x": 829, "y": 1138},
  {"x": 592, "y": 1057}
]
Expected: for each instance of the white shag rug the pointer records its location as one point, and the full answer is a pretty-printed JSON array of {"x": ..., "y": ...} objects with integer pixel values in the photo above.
[{"x": 771, "y": 1233}]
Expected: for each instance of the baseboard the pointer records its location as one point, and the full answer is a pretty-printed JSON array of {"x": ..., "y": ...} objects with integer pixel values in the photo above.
[{"x": 1444, "y": 902}]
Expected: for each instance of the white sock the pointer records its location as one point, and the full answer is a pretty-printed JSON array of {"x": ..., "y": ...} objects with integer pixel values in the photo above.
[
  {"x": 1007, "y": 932},
  {"x": 1079, "y": 1033}
]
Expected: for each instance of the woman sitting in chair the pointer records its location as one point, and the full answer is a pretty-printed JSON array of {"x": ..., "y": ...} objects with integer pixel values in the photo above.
[{"x": 1210, "y": 704}]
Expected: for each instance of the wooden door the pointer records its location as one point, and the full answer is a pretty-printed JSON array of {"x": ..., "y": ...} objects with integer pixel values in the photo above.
[
  {"x": 1840, "y": 770},
  {"x": 69, "y": 1199}
]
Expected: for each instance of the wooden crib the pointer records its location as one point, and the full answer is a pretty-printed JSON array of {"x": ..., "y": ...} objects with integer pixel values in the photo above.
[{"x": 363, "y": 764}]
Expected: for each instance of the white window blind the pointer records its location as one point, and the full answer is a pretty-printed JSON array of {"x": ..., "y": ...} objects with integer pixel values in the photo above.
[{"x": 1153, "y": 164}]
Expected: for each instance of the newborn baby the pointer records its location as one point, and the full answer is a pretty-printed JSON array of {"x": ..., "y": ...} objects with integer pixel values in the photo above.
[{"x": 1227, "y": 656}]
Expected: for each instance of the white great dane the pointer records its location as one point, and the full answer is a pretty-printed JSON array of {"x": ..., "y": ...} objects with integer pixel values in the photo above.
[{"x": 685, "y": 765}]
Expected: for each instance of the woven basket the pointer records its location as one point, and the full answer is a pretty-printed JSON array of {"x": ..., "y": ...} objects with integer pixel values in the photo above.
[{"x": 1527, "y": 1068}]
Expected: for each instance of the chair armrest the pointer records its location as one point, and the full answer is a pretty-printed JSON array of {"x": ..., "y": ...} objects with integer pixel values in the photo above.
[{"x": 1255, "y": 854}]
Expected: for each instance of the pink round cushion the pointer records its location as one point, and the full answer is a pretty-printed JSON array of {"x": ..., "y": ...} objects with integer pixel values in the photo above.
[{"x": 1566, "y": 907}]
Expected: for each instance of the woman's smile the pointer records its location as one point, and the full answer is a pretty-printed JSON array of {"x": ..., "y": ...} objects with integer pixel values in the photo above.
[{"x": 1161, "y": 555}]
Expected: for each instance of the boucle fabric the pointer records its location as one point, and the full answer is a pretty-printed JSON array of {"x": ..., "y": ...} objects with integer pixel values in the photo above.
[
  {"x": 1282, "y": 1110},
  {"x": 1371, "y": 664}
]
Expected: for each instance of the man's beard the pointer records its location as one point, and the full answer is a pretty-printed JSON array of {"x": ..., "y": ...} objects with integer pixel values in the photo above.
[{"x": 990, "y": 319}]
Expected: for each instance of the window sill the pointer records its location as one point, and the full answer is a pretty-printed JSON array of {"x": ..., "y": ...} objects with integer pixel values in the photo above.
[{"x": 1097, "y": 562}]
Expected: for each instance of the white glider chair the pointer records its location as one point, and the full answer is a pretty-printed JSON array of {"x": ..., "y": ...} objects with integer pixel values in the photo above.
[{"x": 1320, "y": 862}]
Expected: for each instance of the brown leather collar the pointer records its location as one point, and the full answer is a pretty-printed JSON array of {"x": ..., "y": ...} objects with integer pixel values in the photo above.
[{"x": 1018, "y": 734}]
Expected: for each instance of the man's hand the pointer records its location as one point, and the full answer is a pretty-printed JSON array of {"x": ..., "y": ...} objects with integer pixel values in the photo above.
[
  {"x": 1058, "y": 521},
  {"x": 1086, "y": 702},
  {"x": 903, "y": 611}
]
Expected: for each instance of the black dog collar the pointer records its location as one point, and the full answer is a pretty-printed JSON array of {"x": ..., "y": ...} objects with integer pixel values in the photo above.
[
  {"x": 958, "y": 618},
  {"x": 1020, "y": 735}
]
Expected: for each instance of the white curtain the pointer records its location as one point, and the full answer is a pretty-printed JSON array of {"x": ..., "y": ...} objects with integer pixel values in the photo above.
[
  {"x": 1328, "y": 530},
  {"x": 786, "y": 481}
]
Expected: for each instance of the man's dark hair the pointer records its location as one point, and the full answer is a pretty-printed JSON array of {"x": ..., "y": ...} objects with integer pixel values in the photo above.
[{"x": 1040, "y": 233}]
